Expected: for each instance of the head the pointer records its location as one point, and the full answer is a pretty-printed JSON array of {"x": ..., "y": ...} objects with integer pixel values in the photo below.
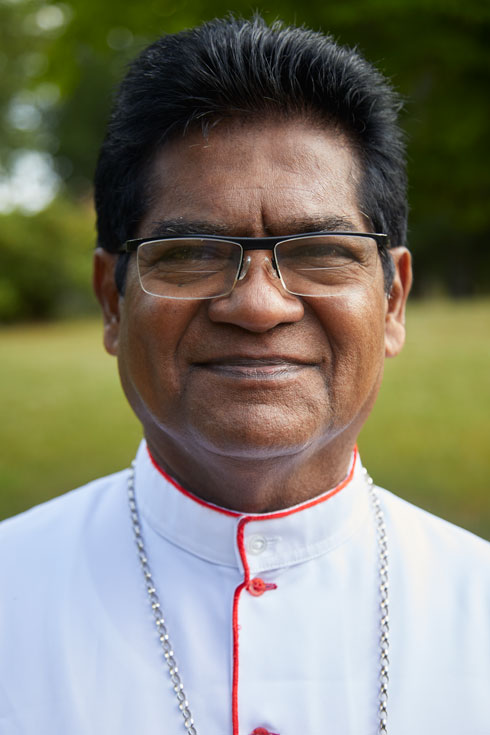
[
  {"x": 231, "y": 68},
  {"x": 241, "y": 130}
]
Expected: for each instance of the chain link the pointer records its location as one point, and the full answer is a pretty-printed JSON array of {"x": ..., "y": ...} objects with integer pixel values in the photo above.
[
  {"x": 166, "y": 645},
  {"x": 384, "y": 624},
  {"x": 160, "y": 623}
]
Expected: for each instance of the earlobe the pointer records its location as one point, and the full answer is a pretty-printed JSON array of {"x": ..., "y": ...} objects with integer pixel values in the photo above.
[
  {"x": 397, "y": 299},
  {"x": 108, "y": 296}
]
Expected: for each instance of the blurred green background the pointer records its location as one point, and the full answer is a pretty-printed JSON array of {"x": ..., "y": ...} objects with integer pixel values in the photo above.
[{"x": 64, "y": 418}]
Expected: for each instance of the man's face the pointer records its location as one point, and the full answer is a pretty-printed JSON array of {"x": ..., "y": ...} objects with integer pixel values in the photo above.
[{"x": 260, "y": 372}]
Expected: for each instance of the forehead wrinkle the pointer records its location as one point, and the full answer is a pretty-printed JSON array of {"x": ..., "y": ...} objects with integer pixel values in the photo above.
[{"x": 346, "y": 173}]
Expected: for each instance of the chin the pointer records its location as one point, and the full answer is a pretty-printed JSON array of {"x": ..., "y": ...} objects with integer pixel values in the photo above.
[{"x": 261, "y": 438}]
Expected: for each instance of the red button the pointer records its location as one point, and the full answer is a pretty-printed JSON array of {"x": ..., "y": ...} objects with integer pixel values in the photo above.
[
  {"x": 262, "y": 731},
  {"x": 257, "y": 587}
]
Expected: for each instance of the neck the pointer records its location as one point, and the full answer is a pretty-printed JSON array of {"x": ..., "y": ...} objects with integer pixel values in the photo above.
[{"x": 255, "y": 484}]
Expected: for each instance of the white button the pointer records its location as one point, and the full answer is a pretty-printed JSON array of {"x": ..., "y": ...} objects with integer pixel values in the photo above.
[{"x": 256, "y": 544}]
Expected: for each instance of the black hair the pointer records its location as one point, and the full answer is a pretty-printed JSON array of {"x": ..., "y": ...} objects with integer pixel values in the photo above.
[{"x": 245, "y": 68}]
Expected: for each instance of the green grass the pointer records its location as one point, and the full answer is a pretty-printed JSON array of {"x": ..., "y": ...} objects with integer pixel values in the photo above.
[
  {"x": 428, "y": 437},
  {"x": 65, "y": 420}
]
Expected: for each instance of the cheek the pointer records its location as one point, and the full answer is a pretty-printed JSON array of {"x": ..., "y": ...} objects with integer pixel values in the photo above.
[
  {"x": 355, "y": 329},
  {"x": 150, "y": 363},
  {"x": 359, "y": 314}
]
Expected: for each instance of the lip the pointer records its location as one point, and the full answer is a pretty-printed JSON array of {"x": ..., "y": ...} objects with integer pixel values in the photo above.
[{"x": 270, "y": 367}]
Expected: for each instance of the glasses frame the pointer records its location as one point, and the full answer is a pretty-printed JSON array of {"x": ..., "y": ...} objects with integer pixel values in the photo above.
[{"x": 248, "y": 243}]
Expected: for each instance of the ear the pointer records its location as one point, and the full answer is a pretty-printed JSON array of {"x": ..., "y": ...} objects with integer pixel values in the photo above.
[
  {"x": 397, "y": 299},
  {"x": 108, "y": 296}
]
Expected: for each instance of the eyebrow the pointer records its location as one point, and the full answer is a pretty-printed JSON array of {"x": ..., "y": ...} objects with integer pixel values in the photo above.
[{"x": 166, "y": 228}]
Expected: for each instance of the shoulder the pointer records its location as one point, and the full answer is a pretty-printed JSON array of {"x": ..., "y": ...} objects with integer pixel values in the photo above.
[
  {"x": 439, "y": 601},
  {"x": 404, "y": 515},
  {"x": 61, "y": 519},
  {"x": 434, "y": 542}
]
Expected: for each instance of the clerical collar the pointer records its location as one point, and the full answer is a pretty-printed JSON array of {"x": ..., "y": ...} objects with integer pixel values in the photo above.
[{"x": 268, "y": 540}]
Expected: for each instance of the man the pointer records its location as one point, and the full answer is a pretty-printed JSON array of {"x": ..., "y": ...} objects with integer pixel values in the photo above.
[{"x": 253, "y": 275}]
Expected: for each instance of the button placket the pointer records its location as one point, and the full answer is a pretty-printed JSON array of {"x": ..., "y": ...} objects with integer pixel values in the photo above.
[{"x": 255, "y": 546}]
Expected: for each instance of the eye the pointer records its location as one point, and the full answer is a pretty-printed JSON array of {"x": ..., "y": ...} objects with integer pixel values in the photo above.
[
  {"x": 171, "y": 254},
  {"x": 327, "y": 253},
  {"x": 322, "y": 252},
  {"x": 182, "y": 254}
]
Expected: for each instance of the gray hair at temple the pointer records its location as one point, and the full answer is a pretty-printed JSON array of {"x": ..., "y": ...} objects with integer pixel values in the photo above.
[{"x": 244, "y": 68}]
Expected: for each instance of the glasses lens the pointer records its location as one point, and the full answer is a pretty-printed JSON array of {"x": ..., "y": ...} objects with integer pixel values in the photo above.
[
  {"x": 323, "y": 265},
  {"x": 188, "y": 268}
]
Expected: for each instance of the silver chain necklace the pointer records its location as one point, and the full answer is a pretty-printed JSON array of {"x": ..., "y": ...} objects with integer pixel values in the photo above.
[{"x": 161, "y": 625}]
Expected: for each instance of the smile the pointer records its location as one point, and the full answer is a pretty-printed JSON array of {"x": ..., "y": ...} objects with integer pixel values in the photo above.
[{"x": 267, "y": 368}]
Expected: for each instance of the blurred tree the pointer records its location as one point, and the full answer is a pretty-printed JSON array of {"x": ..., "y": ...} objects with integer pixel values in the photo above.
[
  {"x": 46, "y": 262},
  {"x": 59, "y": 63}
]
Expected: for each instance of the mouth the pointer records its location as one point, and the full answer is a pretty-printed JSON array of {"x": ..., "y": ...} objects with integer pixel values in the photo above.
[{"x": 263, "y": 368}]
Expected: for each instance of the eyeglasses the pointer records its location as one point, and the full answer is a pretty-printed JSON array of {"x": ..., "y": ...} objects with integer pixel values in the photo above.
[{"x": 208, "y": 266}]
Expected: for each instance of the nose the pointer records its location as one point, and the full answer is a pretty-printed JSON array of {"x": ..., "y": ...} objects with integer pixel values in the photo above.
[{"x": 259, "y": 302}]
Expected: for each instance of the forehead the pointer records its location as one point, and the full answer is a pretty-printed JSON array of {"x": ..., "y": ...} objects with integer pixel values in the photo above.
[{"x": 251, "y": 178}]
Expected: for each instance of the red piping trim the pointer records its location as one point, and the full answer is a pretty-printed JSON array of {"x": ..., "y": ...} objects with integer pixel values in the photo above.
[
  {"x": 309, "y": 503},
  {"x": 236, "y": 629},
  {"x": 258, "y": 516},
  {"x": 187, "y": 494}
]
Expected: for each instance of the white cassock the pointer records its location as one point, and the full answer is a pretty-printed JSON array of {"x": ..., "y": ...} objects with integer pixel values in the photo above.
[{"x": 274, "y": 619}]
